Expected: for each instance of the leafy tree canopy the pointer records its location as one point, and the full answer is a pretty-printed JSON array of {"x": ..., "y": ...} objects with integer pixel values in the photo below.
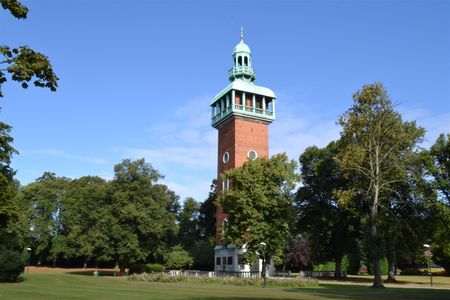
[
  {"x": 22, "y": 63},
  {"x": 377, "y": 146},
  {"x": 177, "y": 258},
  {"x": 329, "y": 226},
  {"x": 259, "y": 204},
  {"x": 437, "y": 160},
  {"x": 16, "y": 8},
  {"x": 142, "y": 218}
]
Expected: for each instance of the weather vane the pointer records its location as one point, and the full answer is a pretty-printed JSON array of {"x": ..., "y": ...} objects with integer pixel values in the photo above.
[{"x": 242, "y": 33}]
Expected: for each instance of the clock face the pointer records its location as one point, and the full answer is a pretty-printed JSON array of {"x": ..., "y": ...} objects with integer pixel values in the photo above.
[
  {"x": 252, "y": 155},
  {"x": 226, "y": 157}
]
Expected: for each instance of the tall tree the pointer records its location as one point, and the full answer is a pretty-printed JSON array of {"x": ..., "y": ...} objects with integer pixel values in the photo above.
[
  {"x": 203, "y": 248},
  {"x": 207, "y": 214},
  {"x": 377, "y": 144},
  {"x": 141, "y": 221},
  {"x": 331, "y": 228},
  {"x": 188, "y": 223},
  {"x": 86, "y": 215},
  {"x": 437, "y": 160},
  {"x": 22, "y": 63},
  {"x": 47, "y": 229},
  {"x": 9, "y": 208},
  {"x": 259, "y": 205}
]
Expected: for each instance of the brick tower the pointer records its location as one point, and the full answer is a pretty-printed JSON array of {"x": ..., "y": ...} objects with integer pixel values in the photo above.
[{"x": 241, "y": 113}]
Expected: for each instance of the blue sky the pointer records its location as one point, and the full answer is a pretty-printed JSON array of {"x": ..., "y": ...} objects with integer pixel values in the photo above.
[{"x": 137, "y": 77}]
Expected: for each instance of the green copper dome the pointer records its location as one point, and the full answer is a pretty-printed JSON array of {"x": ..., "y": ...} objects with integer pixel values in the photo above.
[
  {"x": 241, "y": 47},
  {"x": 242, "y": 62}
]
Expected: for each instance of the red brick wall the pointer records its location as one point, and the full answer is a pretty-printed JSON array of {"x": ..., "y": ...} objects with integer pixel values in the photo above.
[{"x": 238, "y": 136}]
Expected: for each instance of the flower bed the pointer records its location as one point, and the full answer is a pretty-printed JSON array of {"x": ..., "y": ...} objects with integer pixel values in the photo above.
[{"x": 280, "y": 282}]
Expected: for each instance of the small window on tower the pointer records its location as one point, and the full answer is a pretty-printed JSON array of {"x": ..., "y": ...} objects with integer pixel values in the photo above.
[
  {"x": 225, "y": 185},
  {"x": 226, "y": 157},
  {"x": 240, "y": 61},
  {"x": 245, "y": 61},
  {"x": 252, "y": 155}
]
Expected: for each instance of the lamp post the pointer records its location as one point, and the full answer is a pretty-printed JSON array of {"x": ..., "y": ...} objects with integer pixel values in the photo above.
[
  {"x": 28, "y": 262},
  {"x": 263, "y": 249},
  {"x": 428, "y": 256}
]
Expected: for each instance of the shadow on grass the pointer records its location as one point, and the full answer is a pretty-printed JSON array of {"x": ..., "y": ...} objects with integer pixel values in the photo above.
[{"x": 330, "y": 291}]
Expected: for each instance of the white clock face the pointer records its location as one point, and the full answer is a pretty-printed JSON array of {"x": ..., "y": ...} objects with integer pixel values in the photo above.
[
  {"x": 226, "y": 157},
  {"x": 252, "y": 155}
]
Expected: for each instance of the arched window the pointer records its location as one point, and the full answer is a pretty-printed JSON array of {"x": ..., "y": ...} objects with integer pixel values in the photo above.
[
  {"x": 245, "y": 61},
  {"x": 240, "y": 61}
]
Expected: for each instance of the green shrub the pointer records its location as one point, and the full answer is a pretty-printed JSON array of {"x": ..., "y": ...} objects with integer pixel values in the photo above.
[
  {"x": 178, "y": 258},
  {"x": 147, "y": 268},
  {"x": 12, "y": 263},
  {"x": 441, "y": 253},
  {"x": 137, "y": 269},
  {"x": 331, "y": 265},
  {"x": 150, "y": 268}
]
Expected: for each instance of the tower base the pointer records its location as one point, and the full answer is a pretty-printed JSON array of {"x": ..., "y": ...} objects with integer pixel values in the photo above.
[{"x": 229, "y": 259}]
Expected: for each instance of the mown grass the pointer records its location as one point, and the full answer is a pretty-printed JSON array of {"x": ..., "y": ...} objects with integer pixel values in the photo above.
[
  {"x": 409, "y": 280},
  {"x": 70, "y": 286}
]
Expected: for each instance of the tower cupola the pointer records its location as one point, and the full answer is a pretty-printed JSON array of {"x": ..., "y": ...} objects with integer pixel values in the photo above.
[
  {"x": 242, "y": 97},
  {"x": 242, "y": 62}
]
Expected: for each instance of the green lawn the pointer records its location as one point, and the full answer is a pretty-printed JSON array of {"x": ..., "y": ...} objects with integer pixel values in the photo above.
[{"x": 69, "y": 286}]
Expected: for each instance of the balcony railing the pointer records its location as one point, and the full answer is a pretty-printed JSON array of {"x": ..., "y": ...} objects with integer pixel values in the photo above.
[
  {"x": 239, "y": 70},
  {"x": 248, "y": 110}
]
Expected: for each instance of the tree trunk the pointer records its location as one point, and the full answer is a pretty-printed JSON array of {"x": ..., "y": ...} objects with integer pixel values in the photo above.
[
  {"x": 338, "y": 267},
  {"x": 377, "y": 280},
  {"x": 390, "y": 255},
  {"x": 85, "y": 263}
]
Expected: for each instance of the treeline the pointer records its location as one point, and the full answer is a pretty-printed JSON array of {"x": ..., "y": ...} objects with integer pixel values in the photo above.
[
  {"x": 373, "y": 201},
  {"x": 374, "y": 195},
  {"x": 414, "y": 213},
  {"x": 131, "y": 219}
]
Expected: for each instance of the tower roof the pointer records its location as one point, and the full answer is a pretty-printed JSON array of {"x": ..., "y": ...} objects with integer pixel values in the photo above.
[
  {"x": 241, "y": 47},
  {"x": 245, "y": 86}
]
